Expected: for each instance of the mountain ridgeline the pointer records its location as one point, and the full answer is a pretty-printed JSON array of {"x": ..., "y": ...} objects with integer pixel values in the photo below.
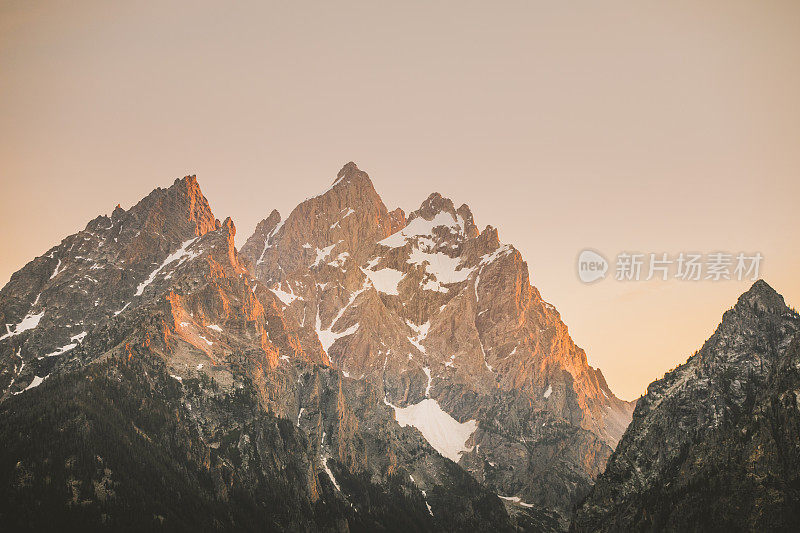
[{"x": 356, "y": 368}]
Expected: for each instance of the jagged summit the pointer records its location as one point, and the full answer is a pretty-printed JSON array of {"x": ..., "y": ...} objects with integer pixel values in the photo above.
[
  {"x": 171, "y": 211},
  {"x": 344, "y": 221},
  {"x": 428, "y": 309}
]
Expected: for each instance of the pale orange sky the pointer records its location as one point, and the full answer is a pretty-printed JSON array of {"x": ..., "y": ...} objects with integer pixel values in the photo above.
[{"x": 610, "y": 125}]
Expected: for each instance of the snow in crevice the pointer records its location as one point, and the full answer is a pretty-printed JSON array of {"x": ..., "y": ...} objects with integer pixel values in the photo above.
[
  {"x": 421, "y": 333},
  {"x": 548, "y": 392},
  {"x": 489, "y": 367},
  {"x": 56, "y": 271},
  {"x": 427, "y": 371},
  {"x": 327, "y": 336},
  {"x": 271, "y": 234},
  {"x": 330, "y": 474},
  {"x": 215, "y": 328},
  {"x": 180, "y": 255},
  {"x": 425, "y": 497},
  {"x": 299, "y": 415}
]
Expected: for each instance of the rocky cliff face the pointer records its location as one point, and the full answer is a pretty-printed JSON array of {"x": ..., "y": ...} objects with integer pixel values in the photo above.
[
  {"x": 715, "y": 444},
  {"x": 440, "y": 318},
  {"x": 50, "y": 306},
  {"x": 150, "y": 381}
]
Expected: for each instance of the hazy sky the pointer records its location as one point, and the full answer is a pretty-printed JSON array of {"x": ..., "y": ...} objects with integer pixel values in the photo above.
[{"x": 615, "y": 126}]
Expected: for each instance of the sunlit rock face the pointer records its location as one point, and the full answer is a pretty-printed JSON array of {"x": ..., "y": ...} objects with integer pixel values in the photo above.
[
  {"x": 329, "y": 375},
  {"x": 95, "y": 274},
  {"x": 714, "y": 444},
  {"x": 149, "y": 381},
  {"x": 434, "y": 313}
]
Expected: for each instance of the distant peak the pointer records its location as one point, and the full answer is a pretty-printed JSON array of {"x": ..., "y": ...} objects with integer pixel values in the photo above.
[
  {"x": 347, "y": 172},
  {"x": 762, "y": 297},
  {"x": 348, "y": 167},
  {"x": 352, "y": 181}
]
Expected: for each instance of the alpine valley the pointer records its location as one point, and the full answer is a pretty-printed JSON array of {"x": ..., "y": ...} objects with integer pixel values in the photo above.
[{"x": 356, "y": 368}]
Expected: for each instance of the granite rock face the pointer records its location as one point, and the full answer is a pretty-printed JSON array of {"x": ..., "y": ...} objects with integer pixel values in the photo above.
[
  {"x": 150, "y": 382},
  {"x": 351, "y": 368},
  {"x": 436, "y": 314},
  {"x": 715, "y": 444}
]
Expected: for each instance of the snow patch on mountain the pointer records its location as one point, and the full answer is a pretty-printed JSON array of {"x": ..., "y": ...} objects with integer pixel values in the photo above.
[
  {"x": 34, "y": 383},
  {"x": 515, "y": 499},
  {"x": 440, "y": 268},
  {"x": 420, "y": 227},
  {"x": 323, "y": 253},
  {"x": 447, "y": 435},
  {"x": 385, "y": 280},
  {"x": 30, "y": 321},
  {"x": 286, "y": 297}
]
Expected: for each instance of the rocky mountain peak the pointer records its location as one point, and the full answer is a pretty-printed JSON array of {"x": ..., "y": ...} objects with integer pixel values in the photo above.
[
  {"x": 432, "y": 206},
  {"x": 179, "y": 208},
  {"x": 711, "y": 442},
  {"x": 761, "y": 297},
  {"x": 341, "y": 224},
  {"x": 441, "y": 318},
  {"x": 356, "y": 181}
]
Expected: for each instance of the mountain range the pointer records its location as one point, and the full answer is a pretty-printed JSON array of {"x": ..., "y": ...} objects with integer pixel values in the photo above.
[{"x": 356, "y": 368}]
